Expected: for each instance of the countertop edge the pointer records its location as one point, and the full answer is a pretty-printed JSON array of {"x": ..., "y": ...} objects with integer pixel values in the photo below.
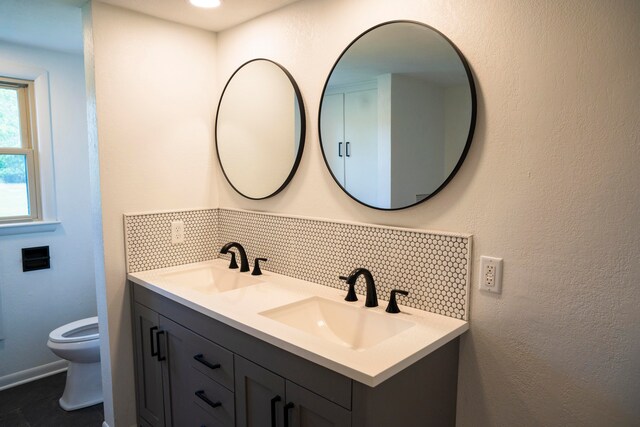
[{"x": 368, "y": 379}]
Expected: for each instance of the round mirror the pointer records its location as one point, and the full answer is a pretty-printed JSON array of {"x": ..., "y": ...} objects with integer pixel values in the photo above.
[
  {"x": 397, "y": 115},
  {"x": 260, "y": 128}
]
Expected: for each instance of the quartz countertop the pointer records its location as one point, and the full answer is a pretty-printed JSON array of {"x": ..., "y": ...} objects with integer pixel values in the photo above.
[{"x": 240, "y": 308}]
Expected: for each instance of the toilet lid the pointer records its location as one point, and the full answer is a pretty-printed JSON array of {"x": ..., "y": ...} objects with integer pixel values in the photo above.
[{"x": 80, "y": 330}]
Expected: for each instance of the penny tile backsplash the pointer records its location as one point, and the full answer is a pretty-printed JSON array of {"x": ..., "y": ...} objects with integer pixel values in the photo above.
[{"x": 433, "y": 266}]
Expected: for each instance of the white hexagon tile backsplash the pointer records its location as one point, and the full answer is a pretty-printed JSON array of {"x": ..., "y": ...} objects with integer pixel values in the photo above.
[{"x": 433, "y": 266}]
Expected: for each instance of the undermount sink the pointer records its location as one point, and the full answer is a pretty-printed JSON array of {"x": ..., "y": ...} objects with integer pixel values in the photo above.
[
  {"x": 354, "y": 327},
  {"x": 209, "y": 279}
]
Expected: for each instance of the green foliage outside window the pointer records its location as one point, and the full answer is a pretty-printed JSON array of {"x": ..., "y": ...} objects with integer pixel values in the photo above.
[{"x": 12, "y": 167}]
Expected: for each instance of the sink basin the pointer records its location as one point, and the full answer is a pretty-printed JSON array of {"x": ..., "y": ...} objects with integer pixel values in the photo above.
[
  {"x": 354, "y": 327},
  {"x": 209, "y": 279}
]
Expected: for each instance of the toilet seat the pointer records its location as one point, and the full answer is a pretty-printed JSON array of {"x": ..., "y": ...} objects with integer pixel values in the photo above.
[{"x": 78, "y": 331}]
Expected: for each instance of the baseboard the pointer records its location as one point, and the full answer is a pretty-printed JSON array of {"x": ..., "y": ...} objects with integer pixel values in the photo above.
[{"x": 32, "y": 374}]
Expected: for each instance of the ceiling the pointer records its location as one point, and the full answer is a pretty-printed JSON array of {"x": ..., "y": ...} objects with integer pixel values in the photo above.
[{"x": 57, "y": 24}]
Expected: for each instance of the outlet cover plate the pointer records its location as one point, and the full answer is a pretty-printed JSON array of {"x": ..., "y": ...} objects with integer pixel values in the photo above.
[
  {"x": 177, "y": 232},
  {"x": 490, "y": 276}
]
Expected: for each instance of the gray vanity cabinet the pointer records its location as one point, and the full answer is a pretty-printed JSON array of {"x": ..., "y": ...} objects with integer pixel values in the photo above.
[
  {"x": 193, "y": 370},
  {"x": 183, "y": 379},
  {"x": 266, "y": 399}
]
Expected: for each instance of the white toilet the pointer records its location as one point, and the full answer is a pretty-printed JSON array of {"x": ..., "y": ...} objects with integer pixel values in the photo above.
[{"x": 79, "y": 343}]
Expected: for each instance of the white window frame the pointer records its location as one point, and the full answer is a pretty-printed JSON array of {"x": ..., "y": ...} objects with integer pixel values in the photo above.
[
  {"x": 29, "y": 139},
  {"x": 44, "y": 161}
]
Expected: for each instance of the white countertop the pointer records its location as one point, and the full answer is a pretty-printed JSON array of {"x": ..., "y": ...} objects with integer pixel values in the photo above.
[{"x": 240, "y": 309}]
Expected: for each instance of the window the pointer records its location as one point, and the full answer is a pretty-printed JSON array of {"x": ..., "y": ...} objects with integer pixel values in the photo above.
[{"x": 19, "y": 189}]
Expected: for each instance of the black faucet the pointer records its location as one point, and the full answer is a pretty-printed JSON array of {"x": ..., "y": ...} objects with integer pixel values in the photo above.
[
  {"x": 372, "y": 298},
  {"x": 244, "y": 262}
]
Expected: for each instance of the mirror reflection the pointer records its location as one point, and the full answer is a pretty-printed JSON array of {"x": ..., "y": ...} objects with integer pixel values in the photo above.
[
  {"x": 260, "y": 129},
  {"x": 397, "y": 115}
]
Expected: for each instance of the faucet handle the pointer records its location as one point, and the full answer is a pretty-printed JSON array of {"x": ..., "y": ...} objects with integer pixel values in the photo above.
[
  {"x": 233, "y": 263},
  {"x": 351, "y": 294},
  {"x": 256, "y": 267},
  {"x": 393, "y": 305}
]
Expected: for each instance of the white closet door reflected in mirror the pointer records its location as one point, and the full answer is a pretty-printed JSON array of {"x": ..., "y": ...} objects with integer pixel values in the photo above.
[
  {"x": 397, "y": 115},
  {"x": 260, "y": 129},
  {"x": 351, "y": 122}
]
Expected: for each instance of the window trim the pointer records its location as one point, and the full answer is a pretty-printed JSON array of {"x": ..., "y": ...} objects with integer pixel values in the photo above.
[
  {"x": 29, "y": 140},
  {"x": 43, "y": 129}
]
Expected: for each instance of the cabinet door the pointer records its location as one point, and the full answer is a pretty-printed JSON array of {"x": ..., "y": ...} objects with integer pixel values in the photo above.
[
  {"x": 260, "y": 395},
  {"x": 148, "y": 368},
  {"x": 312, "y": 410}
]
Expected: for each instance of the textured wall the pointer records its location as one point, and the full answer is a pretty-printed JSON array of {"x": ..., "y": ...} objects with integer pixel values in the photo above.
[
  {"x": 550, "y": 185},
  {"x": 32, "y": 304},
  {"x": 154, "y": 88}
]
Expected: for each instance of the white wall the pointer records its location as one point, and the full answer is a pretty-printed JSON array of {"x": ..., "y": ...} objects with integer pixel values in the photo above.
[
  {"x": 550, "y": 184},
  {"x": 32, "y": 304},
  {"x": 457, "y": 105},
  {"x": 417, "y": 135},
  {"x": 154, "y": 84}
]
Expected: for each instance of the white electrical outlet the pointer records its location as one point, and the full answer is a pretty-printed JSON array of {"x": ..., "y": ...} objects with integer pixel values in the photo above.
[
  {"x": 490, "y": 278},
  {"x": 177, "y": 232}
]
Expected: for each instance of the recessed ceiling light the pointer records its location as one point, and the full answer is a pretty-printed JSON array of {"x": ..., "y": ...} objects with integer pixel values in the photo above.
[{"x": 208, "y": 4}]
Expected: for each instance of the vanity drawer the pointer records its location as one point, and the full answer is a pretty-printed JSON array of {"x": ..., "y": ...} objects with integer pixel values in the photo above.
[
  {"x": 213, "y": 405},
  {"x": 202, "y": 355}
]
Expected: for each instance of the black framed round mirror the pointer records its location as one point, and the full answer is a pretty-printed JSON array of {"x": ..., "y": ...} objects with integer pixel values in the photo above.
[
  {"x": 397, "y": 115},
  {"x": 260, "y": 129}
]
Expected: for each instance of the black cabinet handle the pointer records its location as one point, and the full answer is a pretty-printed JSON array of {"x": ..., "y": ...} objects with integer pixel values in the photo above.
[
  {"x": 286, "y": 413},
  {"x": 154, "y": 351},
  {"x": 200, "y": 358},
  {"x": 275, "y": 400},
  {"x": 202, "y": 396},
  {"x": 160, "y": 357},
  {"x": 339, "y": 149},
  {"x": 347, "y": 151}
]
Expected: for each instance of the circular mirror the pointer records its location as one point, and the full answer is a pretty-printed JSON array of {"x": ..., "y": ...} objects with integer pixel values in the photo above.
[
  {"x": 397, "y": 115},
  {"x": 260, "y": 128}
]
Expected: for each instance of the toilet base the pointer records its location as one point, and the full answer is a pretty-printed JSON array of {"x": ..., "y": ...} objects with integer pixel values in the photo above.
[{"x": 83, "y": 387}]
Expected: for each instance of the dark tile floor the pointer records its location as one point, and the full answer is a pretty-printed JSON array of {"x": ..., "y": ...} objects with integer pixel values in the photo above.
[{"x": 35, "y": 404}]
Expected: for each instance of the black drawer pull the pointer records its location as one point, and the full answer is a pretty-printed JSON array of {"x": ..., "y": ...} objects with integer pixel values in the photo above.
[
  {"x": 286, "y": 413},
  {"x": 202, "y": 396},
  {"x": 160, "y": 357},
  {"x": 200, "y": 358},
  {"x": 275, "y": 400},
  {"x": 152, "y": 338}
]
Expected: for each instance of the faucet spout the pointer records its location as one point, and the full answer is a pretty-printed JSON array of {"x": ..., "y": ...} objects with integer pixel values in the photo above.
[
  {"x": 372, "y": 298},
  {"x": 244, "y": 261}
]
